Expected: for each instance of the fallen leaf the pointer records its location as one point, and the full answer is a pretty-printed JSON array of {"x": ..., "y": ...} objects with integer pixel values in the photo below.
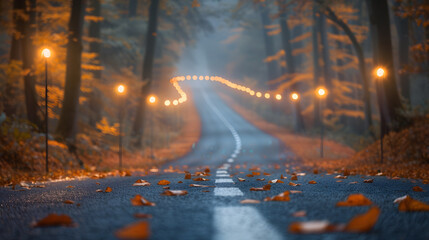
[
  {"x": 97, "y": 183},
  {"x": 417, "y": 189},
  {"x": 346, "y": 172},
  {"x": 408, "y": 204},
  {"x": 295, "y": 191},
  {"x": 357, "y": 199},
  {"x": 249, "y": 175},
  {"x": 312, "y": 182},
  {"x": 315, "y": 171},
  {"x": 299, "y": 214},
  {"x": 54, "y": 220},
  {"x": 293, "y": 184},
  {"x": 205, "y": 191},
  {"x": 142, "y": 215},
  {"x": 260, "y": 179},
  {"x": 312, "y": 227},
  {"x": 70, "y": 186},
  {"x": 138, "y": 230},
  {"x": 138, "y": 200},
  {"x": 142, "y": 183},
  {"x": 249, "y": 201},
  {"x": 99, "y": 190},
  {"x": 163, "y": 182},
  {"x": 241, "y": 179},
  {"x": 201, "y": 179},
  {"x": 167, "y": 187},
  {"x": 294, "y": 178},
  {"x": 339, "y": 181},
  {"x": 340, "y": 177},
  {"x": 282, "y": 197},
  {"x": 267, "y": 174},
  {"x": 188, "y": 176},
  {"x": 264, "y": 188},
  {"x": 198, "y": 185},
  {"x": 276, "y": 181},
  {"x": 108, "y": 189},
  {"x": 363, "y": 222},
  {"x": 353, "y": 182},
  {"x": 174, "y": 192},
  {"x": 368, "y": 180},
  {"x": 68, "y": 202},
  {"x": 179, "y": 182},
  {"x": 282, "y": 177}
]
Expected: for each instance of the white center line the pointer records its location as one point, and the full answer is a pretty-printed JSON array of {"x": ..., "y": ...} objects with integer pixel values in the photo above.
[
  {"x": 224, "y": 180},
  {"x": 227, "y": 192},
  {"x": 223, "y": 175}
]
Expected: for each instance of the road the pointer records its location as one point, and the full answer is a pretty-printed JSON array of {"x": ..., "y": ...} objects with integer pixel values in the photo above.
[{"x": 227, "y": 140}]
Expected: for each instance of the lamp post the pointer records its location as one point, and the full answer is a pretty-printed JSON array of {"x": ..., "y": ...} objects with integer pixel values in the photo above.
[
  {"x": 46, "y": 53},
  {"x": 121, "y": 91},
  {"x": 152, "y": 101},
  {"x": 381, "y": 73},
  {"x": 295, "y": 99},
  {"x": 321, "y": 92}
]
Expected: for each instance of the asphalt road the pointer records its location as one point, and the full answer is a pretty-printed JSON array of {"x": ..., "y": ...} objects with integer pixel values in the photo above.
[{"x": 227, "y": 141}]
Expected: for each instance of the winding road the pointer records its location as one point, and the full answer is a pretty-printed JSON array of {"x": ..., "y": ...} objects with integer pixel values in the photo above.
[{"x": 227, "y": 141}]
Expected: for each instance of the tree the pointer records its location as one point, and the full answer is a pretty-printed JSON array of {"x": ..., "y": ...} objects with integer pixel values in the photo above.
[
  {"x": 268, "y": 41},
  {"x": 147, "y": 71},
  {"x": 316, "y": 65},
  {"x": 383, "y": 56},
  {"x": 67, "y": 123},
  {"x": 28, "y": 57}
]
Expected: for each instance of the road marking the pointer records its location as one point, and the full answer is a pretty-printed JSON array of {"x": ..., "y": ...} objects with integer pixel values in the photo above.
[
  {"x": 224, "y": 180},
  {"x": 221, "y": 172},
  {"x": 230, "y": 160},
  {"x": 242, "y": 223},
  {"x": 223, "y": 175},
  {"x": 227, "y": 192}
]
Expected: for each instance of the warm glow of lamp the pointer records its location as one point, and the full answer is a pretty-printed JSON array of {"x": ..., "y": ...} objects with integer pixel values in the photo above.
[
  {"x": 120, "y": 89},
  {"x": 46, "y": 53},
  {"x": 175, "y": 102},
  {"x": 380, "y": 72},
  {"x": 278, "y": 97},
  {"x": 267, "y": 95},
  {"x": 152, "y": 99},
  {"x": 258, "y": 94},
  {"x": 294, "y": 96},
  {"x": 167, "y": 103},
  {"x": 321, "y": 91}
]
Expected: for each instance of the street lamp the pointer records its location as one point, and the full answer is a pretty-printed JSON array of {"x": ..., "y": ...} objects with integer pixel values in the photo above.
[
  {"x": 321, "y": 93},
  {"x": 121, "y": 91},
  {"x": 152, "y": 101},
  {"x": 278, "y": 97},
  {"x": 381, "y": 73},
  {"x": 46, "y": 53}
]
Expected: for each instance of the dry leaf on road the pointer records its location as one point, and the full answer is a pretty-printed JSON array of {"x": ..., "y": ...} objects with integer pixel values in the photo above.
[
  {"x": 138, "y": 200},
  {"x": 293, "y": 184},
  {"x": 163, "y": 182},
  {"x": 199, "y": 185},
  {"x": 174, "y": 192},
  {"x": 408, "y": 204},
  {"x": 241, "y": 179},
  {"x": 276, "y": 181},
  {"x": 54, "y": 220},
  {"x": 417, "y": 189},
  {"x": 138, "y": 230},
  {"x": 142, "y": 183},
  {"x": 249, "y": 201},
  {"x": 368, "y": 180},
  {"x": 188, "y": 176},
  {"x": 68, "y": 202},
  {"x": 108, "y": 189},
  {"x": 363, "y": 222},
  {"x": 282, "y": 197},
  {"x": 312, "y": 182},
  {"x": 264, "y": 188},
  {"x": 201, "y": 179},
  {"x": 357, "y": 199}
]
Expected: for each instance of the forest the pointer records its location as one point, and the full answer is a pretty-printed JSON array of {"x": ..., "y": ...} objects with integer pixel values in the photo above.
[{"x": 285, "y": 47}]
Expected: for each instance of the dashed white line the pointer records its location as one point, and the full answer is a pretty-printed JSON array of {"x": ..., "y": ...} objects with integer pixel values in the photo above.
[
  {"x": 223, "y": 175},
  {"x": 224, "y": 180},
  {"x": 227, "y": 192}
]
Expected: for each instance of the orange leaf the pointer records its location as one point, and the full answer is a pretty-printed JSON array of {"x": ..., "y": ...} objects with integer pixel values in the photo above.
[
  {"x": 357, "y": 199},
  {"x": 249, "y": 175},
  {"x": 68, "y": 202},
  {"x": 368, "y": 180},
  {"x": 311, "y": 227},
  {"x": 293, "y": 184},
  {"x": 138, "y": 200},
  {"x": 174, "y": 192},
  {"x": 70, "y": 187},
  {"x": 53, "y": 220},
  {"x": 315, "y": 171},
  {"x": 340, "y": 177},
  {"x": 408, "y": 204},
  {"x": 198, "y": 185},
  {"x": 299, "y": 214},
  {"x": 294, "y": 178},
  {"x": 417, "y": 189},
  {"x": 256, "y": 173},
  {"x": 294, "y": 191},
  {"x": 249, "y": 201},
  {"x": 108, "y": 189},
  {"x": 276, "y": 181},
  {"x": 281, "y": 177},
  {"x": 241, "y": 179},
  {"x": 312, "y": 182},
  {"x": 267, "y": 174},
  {"x": 167, "y": 187},
  {"x": 260, "y": 179},
  {"x": 264, "y": 188},
  {"x": 142, "y": 183},
  {"x": 163, "y": 182},
  {"x": 363, "y": 222},
  {"x": 188, "y": 176},
  {"x": 179, "y": 182},
  {"x": 207, "y": 170},
  {"x": 282, "y": 197},
  {"x": 138, "y": 230}
]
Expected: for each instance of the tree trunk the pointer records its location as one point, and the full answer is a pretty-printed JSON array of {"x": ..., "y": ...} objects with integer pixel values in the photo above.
[
  {"x": 68, "y": 119},
  {"x": 268, "y": 42},
  {"x": 327, "y": 72},
  {"x": 403, "y": 43},
  {"x": 362, "y": 66},
  {"x": 28, "y": 56},
  {"x": 316, "y": 66},
  {"x": 290, "y": 62},
  {"x": 147, "y": 71},
  {"x": 383, "y": 56},
  {"x": 95, "y": 102},
  {"x": 132, "y": 8}
]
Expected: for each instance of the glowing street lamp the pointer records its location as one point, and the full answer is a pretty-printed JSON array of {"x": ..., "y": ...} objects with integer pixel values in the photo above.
[
  {"x": 294, "y": 96},
  {"x": 321, "y": 93},
  {"x": 167, "y": 103},
  {"x": 120, "y": 90},
  {"x": 278, "y": 97},
  {"x": 267, "y": 95},
  {"x": 152, "y": 101},
  {"x": 381, "y": 74},
  {"x": 46, "y": 53}
]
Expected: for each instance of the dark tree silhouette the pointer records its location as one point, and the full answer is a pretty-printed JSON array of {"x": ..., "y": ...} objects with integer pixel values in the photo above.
[{"x": 67, "y": 123}]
